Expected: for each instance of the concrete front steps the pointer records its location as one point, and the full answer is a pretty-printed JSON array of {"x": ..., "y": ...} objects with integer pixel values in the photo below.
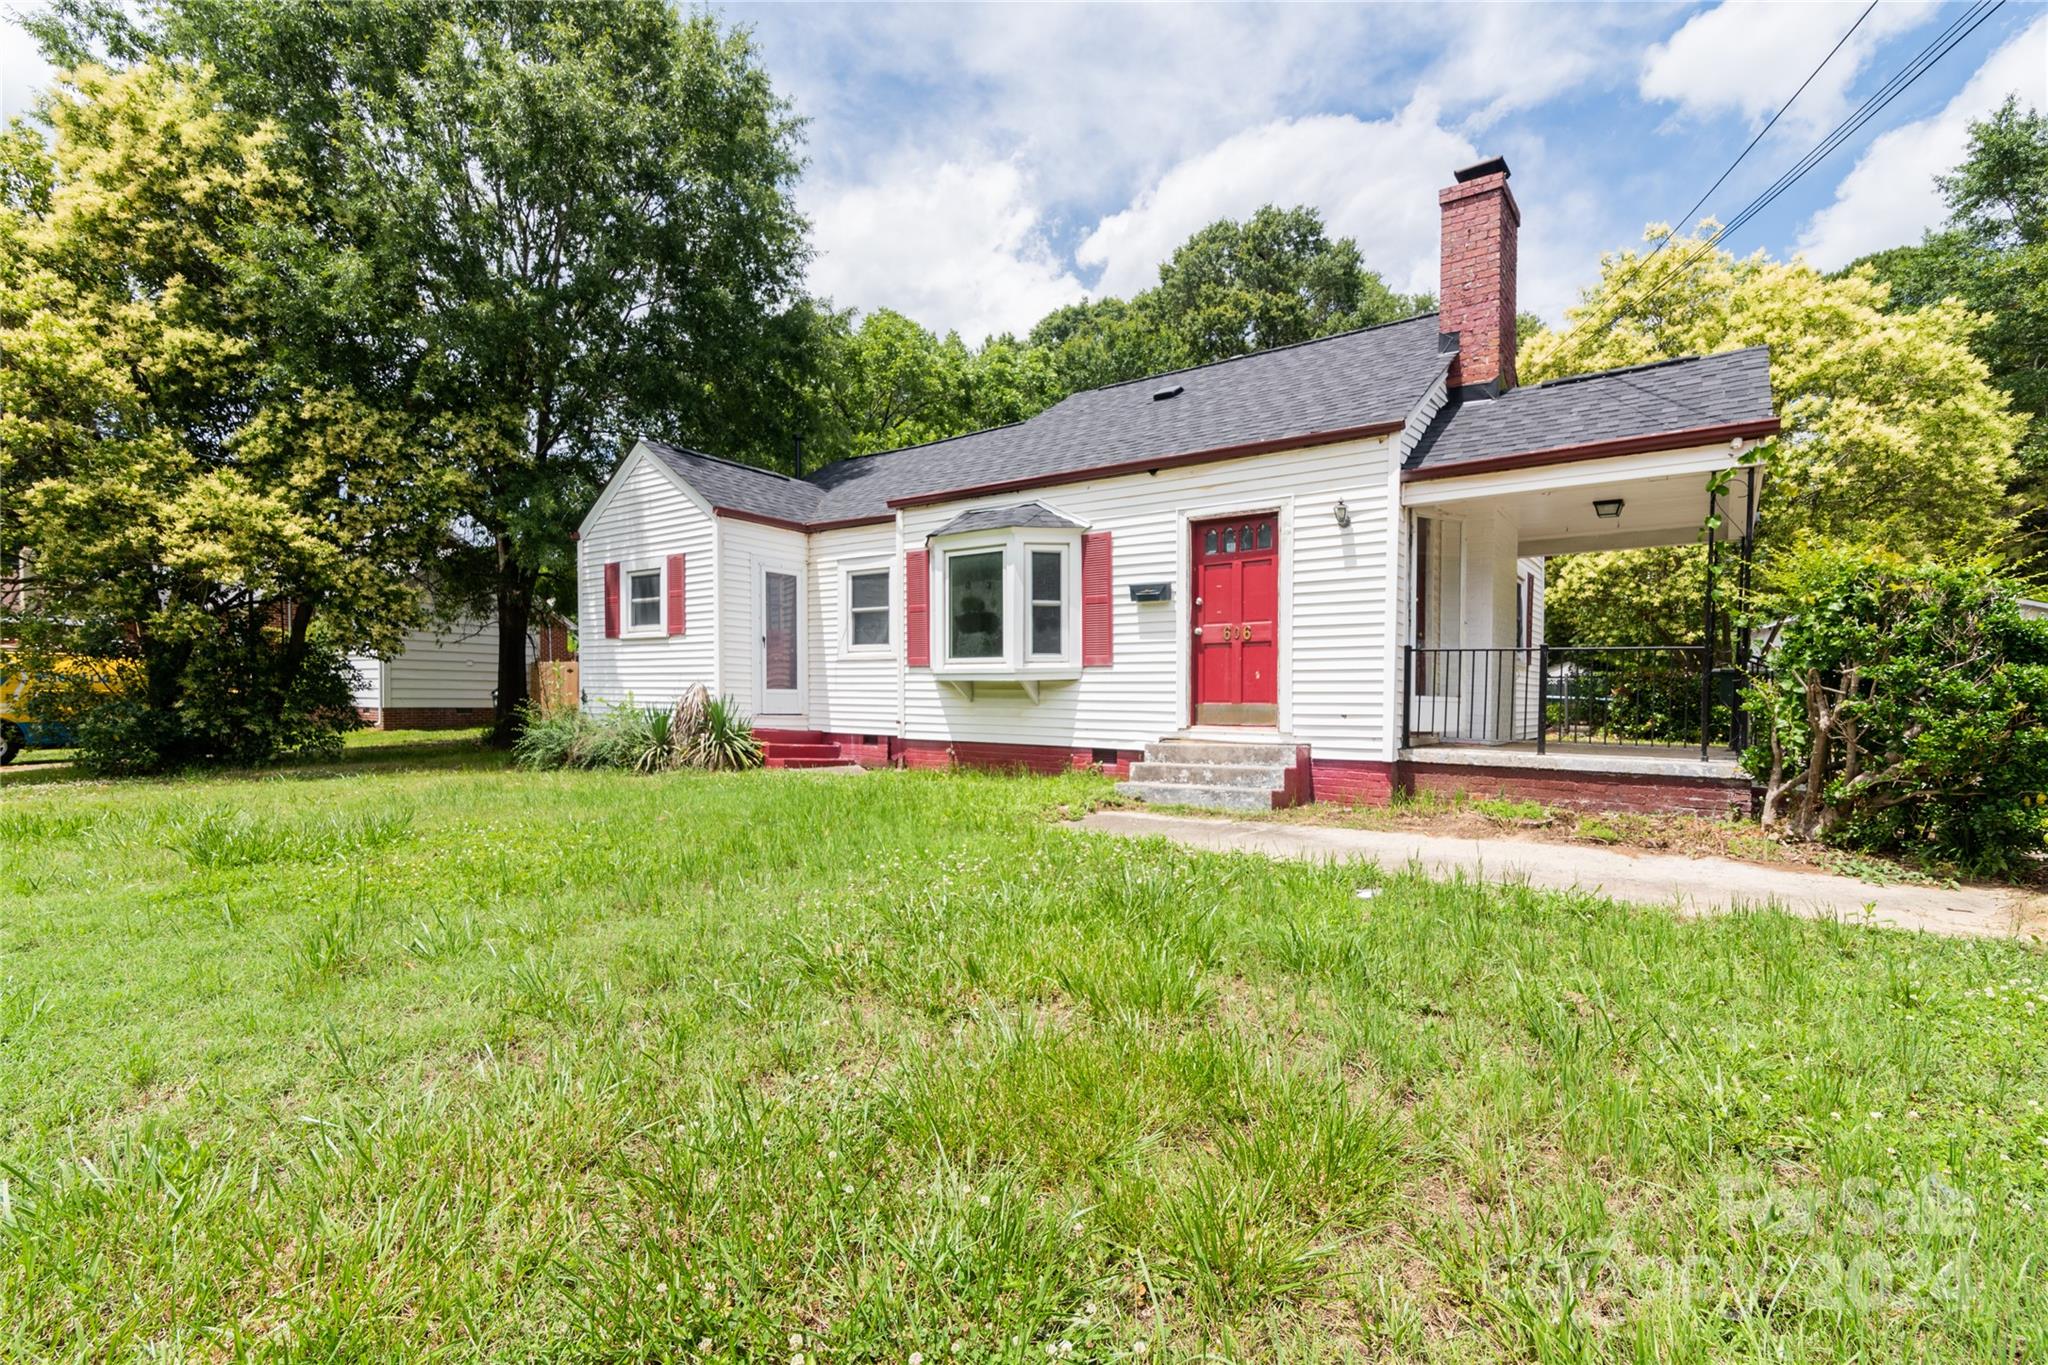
[
  {"x": 798, "y": 749},
  {"x": 1219, "y": 774}
]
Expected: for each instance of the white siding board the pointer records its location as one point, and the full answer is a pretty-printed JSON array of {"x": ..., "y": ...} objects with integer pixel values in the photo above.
[
  {"x": 454, "y": 665},
  {"x": 743, "y": 548},
  {"x": 853, "y": 693},
  {"x": 648, "y": 517}
]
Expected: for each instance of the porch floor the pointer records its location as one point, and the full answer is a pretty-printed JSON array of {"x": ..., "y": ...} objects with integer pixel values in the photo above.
[{"x": 1633, "y": 759}]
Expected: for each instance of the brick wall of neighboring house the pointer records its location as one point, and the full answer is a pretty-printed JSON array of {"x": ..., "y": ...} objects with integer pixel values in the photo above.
[
  {"x": 1582, "y": 791},
  {"x": 551, "y": 642},
  {"x": 425, "y": 717}
]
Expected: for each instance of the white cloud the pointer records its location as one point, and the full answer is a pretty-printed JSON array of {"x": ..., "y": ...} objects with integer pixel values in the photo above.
[
  {"x": 23, "y": 72},
  {"x": 1888, "y": 198},
  {"x": 955, "y": 245},
  {"x": 1503, "y": 59},
  {"x": 1374, "y": 180},
  {"x": 1748, "y": 58}
]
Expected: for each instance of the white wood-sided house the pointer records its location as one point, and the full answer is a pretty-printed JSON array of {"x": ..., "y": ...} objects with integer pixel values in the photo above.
[
  {"x": 1314, "y": 571},
  {"x": 445, "y": 675}
]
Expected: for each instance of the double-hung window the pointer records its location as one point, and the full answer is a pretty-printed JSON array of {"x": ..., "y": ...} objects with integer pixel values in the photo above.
[
  {"x": 867, "y": 610},
  {"x": 1047, "y": 588},
  {"x": 643, "y": 599}
]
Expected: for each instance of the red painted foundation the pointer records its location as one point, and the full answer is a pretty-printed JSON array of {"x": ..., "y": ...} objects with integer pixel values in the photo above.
[
  {"x": 1037, "y": 758},
  {"x": 1336, "y": 780},
  {"x": 1580, "y": 790},
  {"x": 1351, "y": 782}
]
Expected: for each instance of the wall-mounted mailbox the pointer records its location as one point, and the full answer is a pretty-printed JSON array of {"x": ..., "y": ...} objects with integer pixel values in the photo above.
[{"x": 1151, "y": 592}]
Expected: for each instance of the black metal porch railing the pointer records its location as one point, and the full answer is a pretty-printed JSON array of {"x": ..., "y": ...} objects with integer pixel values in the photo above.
[{"x": 1556, "y": 696}]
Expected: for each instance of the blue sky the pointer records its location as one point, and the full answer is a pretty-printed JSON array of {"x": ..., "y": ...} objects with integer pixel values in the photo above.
[{"x": 977, "y": 165}]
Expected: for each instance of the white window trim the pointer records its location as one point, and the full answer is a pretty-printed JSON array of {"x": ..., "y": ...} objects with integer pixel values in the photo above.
[
  {"x": 1069, "y": 583},
  {"x": 1015, "y": 662},
  {"x": 847, "y": 573},
  {"x": 657, "y": 566}
]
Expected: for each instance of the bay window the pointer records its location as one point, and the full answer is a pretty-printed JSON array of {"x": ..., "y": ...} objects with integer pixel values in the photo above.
[{"x": 1005, "y": 594}]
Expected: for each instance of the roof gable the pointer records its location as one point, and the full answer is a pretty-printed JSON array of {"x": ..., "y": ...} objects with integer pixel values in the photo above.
[{"x": 640, "y": 454}]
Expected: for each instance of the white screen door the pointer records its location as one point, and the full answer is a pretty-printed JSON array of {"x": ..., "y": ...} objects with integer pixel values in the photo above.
[{"x": 781, "y": 613}]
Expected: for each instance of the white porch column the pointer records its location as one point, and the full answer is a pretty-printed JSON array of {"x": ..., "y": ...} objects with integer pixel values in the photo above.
[{"x": 1492, "y": 546}]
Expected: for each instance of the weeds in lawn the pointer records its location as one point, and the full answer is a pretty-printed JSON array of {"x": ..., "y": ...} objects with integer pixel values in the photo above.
[
  {"x": 328, "y": 946},
  {"x": 224, "y": 838}
]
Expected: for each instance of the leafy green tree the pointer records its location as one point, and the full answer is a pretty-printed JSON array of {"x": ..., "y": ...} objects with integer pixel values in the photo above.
[
  {"x": 1009, "y": 380},
  {"x": 1903, "y": 708},
  {"x": 1993, "y": 255},
  {"x": 1894, "y": 433},
  {"x": 564, "y": 223},
  {"x": 1271, "y": 280},
  {"x": 1108, "y": 341},
  {"x": 191, "y": 515},
  {"x": 892, "y": 383},
  {"x": 1626, "y": 597}
]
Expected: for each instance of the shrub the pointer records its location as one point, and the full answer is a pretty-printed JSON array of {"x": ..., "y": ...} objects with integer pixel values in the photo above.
[
  {"x": 722, "y": 738},
  {"x": 1903, "y": 709},
  {"x": 699, "y": 731},
  {"x": 228, "y": 705}
]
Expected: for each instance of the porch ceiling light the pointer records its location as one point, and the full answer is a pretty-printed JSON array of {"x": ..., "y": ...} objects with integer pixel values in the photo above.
[
  {"x": 1342, "y": 513},
  {"x": 1607, "y": 507}
]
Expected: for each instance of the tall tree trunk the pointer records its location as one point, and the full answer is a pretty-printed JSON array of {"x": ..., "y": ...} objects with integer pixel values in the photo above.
[{"x": 515, "y": 614}]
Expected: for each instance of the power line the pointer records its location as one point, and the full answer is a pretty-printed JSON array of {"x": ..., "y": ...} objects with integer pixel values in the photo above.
[
  {"x": 1922, "y": 62},
  {"x": 1686, "y": 217}
]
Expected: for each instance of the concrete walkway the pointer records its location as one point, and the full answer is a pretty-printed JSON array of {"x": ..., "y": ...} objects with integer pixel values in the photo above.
[{"x": 1691, "y": 885}]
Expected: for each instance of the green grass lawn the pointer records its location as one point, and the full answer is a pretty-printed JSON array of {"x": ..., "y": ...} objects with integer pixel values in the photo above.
[{"x": 416, "y": 1057}]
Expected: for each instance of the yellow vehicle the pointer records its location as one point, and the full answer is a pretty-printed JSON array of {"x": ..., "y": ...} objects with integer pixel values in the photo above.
[{"x": 25, "y": 721}]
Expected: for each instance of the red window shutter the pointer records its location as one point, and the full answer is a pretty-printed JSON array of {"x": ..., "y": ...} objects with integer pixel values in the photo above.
[
  {"x": 917, "y": 609},
  {"x": 1098, "y": 642},
  {"x": 675, "y": 594},
  {"x": 611, "y": 601}
]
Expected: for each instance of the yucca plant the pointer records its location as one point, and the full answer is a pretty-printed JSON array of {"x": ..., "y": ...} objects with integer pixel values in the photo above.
[
  {"x": 699, "y": 731},
  {"x": 651, "y": 739},
  {"x": 724, "y": 739}
]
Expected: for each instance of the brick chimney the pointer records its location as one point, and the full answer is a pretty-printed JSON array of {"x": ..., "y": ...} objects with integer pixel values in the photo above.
[{"x": 1480, "y": 221}]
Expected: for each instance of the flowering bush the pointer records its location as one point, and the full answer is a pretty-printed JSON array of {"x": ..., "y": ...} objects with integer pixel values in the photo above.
[{"x": 1904, "y": 709}]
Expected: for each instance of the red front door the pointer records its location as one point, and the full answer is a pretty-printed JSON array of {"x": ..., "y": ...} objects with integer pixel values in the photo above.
[{"x": 1237, "y": 612}]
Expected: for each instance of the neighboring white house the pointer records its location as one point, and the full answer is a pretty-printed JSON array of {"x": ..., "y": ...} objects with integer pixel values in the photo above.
[
  {"x": 442, "y": 677},
  {"x": 1216, "y": 580}
]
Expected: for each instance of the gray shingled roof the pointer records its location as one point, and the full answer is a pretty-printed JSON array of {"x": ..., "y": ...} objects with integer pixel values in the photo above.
[
  {"x": 1025, "y": 514},
  {"x": 1356, "y": 379},
  {"x": 741, "y": 487},
  {"x": 1643, "y": 400}
]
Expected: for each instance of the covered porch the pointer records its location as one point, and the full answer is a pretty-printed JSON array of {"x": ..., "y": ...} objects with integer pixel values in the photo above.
[{"x": 1483, "y": 689}]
